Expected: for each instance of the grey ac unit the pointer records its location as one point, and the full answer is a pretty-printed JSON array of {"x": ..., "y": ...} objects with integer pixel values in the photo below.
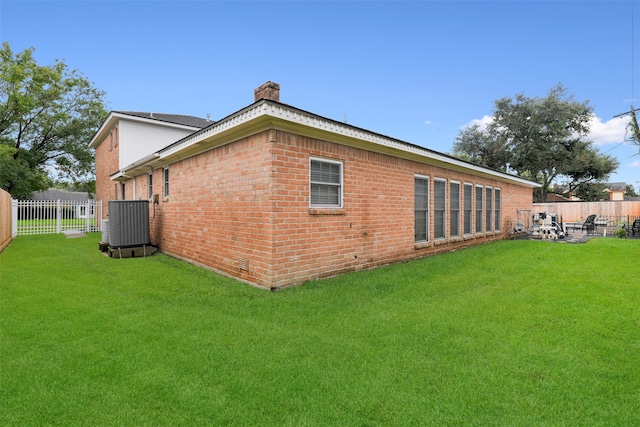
[
  {"x": 128, "y": 223},
  {"x": 105, "y": 231}
]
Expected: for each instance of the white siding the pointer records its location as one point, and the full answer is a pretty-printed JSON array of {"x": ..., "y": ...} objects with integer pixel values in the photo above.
[{"x": 138, "y": 140}]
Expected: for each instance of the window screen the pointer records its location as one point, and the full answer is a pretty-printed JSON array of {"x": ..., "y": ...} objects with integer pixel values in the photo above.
[
  {"x": 468, "y": 196},
  {"x": 497, "y": 202},
  {"x": 454, "y": 209},
  {"x": 439, "y": 208},
  {"x": 326, "y": 183},
  {"x": 489, "y": 212},
  {"x": 421, "y": 206},
  {"x": 479, "y": 209},
  {"x": 166, "y": 182}
]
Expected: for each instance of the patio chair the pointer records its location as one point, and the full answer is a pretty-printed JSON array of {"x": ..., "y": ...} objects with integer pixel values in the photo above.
[
  {"x": 635, "y": 228},
  {"x": 590, "y": 224}
]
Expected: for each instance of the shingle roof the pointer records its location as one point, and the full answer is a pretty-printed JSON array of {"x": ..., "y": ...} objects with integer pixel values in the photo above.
[
  {"x": 617, "y": 186},
  {"x": 55, "y": 194},
  {"x": 178, "y": 119}
]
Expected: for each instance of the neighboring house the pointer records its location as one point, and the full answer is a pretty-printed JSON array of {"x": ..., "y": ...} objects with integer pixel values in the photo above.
[
  {"x": 76, "y": 197},
  {"x": 555, "y": 197},
  {"x": 616, "y": 190},
  {"x": 274, "y": 195},
  {"x": 55, "y": 194}
]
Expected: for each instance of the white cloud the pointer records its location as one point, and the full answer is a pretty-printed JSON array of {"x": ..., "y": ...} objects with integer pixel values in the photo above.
[
  {"x": 610, "y": 132},
  {"x": 482, "y": 123},
  {"x": 635, "y": 164}
]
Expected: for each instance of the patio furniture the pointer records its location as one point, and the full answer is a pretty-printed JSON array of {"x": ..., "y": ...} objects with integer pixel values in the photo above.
[
  {"x": 590, "y": 224},
  {"x": 635, "y": 228}
]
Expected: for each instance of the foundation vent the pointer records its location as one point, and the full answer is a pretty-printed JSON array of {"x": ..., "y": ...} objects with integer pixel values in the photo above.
[{"x": 243, "y": 263}]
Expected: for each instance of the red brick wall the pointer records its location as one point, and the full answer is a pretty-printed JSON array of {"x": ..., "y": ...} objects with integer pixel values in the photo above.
[
  {"x": 107, "y": 158},
  {"x": 375, "y": 227},
  {"x": 243, "y": 209},
  {"x": 218, "y": 212}
]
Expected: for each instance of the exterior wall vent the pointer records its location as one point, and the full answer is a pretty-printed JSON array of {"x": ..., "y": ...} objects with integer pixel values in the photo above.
[{"x": 128, "y": 223}]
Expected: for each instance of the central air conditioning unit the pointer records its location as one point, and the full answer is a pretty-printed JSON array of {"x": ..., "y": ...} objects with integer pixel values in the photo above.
[
  {"x": 128, "y": 223},
  {"x": 105, "y": 231}
]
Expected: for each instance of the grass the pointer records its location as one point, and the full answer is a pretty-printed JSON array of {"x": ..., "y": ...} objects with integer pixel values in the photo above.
[{"x": 510, "y": 333}]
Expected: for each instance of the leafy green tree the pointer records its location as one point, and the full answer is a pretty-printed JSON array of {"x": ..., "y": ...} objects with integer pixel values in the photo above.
[
  {"x": 538, "y": 138},
  {"x": 631, "y": 192},
  {"x": 591, "y": 192},
  {"x": 633, "y": 125},
  {"x": 48, "y": 114}
]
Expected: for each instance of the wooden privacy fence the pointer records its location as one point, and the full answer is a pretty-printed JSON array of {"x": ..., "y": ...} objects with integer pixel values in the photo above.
[
  {"x": 579, "y": 211},
  {"x": 5, "y": 219},
  {"x": 56, "y": 216}
]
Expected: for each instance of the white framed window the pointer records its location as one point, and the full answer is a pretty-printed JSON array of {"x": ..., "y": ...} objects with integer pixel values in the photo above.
[
  {"x": 488, "y": 210},
  {"x": 124, "y": 193},
  {"x": 325, "y": 181},
  {"x": 454, "y": 208},
  {"x": 497, "y": 202},
  {"x": 479, "y": 199},
  {"x": 150, "y": 184},
  {"x": 165, "y": 174},
  {"x": 467, "y": 207},
  {"x": 439, "y": 208},
  {"x": 421, "y": 208}
]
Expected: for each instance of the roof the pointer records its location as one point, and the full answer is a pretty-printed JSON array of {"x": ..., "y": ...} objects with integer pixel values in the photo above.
[
  {"x": 178, "y": 119},
  {"x": 55, "y": 194},
  {"x": 616, "y": 186},
  {"x": 267, "y": 114}
]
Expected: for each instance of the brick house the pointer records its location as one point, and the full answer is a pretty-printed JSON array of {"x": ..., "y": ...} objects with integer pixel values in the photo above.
[{"x": 274, "y": 195}]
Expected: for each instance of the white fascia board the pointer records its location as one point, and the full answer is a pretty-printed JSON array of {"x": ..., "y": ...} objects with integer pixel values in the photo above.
[
  {"x": 279, "y": 114},
  {"x": 108, "y": 123}
]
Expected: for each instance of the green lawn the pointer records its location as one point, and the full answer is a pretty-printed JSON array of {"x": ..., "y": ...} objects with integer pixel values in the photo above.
[{"x": 510, "y": 333}]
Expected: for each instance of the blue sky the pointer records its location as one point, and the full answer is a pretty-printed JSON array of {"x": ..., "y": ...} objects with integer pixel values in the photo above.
[{"x": 418, "y": 71}]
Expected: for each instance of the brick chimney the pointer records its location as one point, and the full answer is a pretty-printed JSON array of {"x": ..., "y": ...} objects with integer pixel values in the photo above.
[{"x": 268, "y": 90}]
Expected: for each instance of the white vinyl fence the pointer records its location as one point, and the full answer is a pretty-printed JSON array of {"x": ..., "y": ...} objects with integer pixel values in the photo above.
[{"x": 55, "y": 216}]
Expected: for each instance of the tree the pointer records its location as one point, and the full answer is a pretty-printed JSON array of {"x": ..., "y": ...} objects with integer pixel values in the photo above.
[
  {"x": 635, "y": 129},
  {"x": 48, "y": 114},
  {"x": 541, "y": 139}
]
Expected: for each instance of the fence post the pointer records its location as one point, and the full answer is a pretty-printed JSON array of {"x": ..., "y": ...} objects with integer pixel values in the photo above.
[
  {"x": 87, "y": 215},
  {"x": 58, "y": 217},
  {"x": 14, "y": 218}
]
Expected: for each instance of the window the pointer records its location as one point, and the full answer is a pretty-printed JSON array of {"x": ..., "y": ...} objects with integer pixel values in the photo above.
[
  {"x": 468, "y": 197},
  {"x": 439, "y": 208},
  {"x": 124, "y": 194},
  {"x": 479, "y": 209},
  {"x": 497, "y": 202},
  {"x": 166, "y": 182},
  {"x": 421, "y": 207},
  {"x": 150, "y": 184},
  {"x": 489, "y": 212},
  {"x": 326, "y": 184},
  {"x": 454, "y": 208}
]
